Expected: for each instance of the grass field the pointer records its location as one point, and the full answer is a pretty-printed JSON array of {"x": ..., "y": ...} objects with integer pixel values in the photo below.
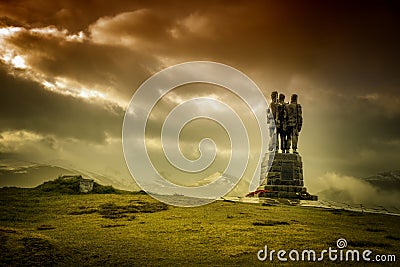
[{"x": 126, "y": 229}]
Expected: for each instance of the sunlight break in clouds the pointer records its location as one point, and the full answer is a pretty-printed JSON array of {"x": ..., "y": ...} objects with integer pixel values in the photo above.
[
  {"x": 14, "y": 57},
  {"x": 18, "y": 62}
]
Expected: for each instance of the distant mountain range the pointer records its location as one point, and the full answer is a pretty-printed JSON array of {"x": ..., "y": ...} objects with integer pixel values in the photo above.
[
  {"x": 389, "y": 180},
  {"x": 29, "y": 174}
]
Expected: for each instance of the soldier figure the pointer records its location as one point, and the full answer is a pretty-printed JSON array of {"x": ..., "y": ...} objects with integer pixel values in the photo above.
[
  {"x": 281, "y": 121},
  {"x": 294, "y": 123},
  {"x": 271, "y": 115}
]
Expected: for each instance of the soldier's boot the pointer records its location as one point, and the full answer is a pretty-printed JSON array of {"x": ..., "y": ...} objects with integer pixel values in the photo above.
[{"x": 294, "y": 151}]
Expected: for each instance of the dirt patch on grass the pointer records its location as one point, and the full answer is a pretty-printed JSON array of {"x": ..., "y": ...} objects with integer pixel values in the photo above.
[
  {"x": 393, "y": 237},
  {"x": 269, "y": 223},
  {"x": 10, "y": 231},
  {"x": 46, "y": 227},
  {"x": 345, "y": 212},
  {"x": 374, "y": 230},
  {"x": 113, "y": 225},
  {"x": 83, "y": 211},
  {"x": 114, "y": 211}
]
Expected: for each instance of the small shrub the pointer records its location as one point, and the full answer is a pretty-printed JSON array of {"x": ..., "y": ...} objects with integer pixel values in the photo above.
[
  {"x": 104, "y": 189},
  {"x": 62, "y": 186}
]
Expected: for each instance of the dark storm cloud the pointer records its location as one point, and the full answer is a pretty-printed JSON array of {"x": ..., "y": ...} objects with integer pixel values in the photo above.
[
  {"x": 74, "y": 15},
  {"x": 116, "y": 70},
  {"x": 25, "y": 105},
  {"x": 346, "y": 46},
  {"x": 336, "y": 43},
  {"x": 6, "y": 21}
]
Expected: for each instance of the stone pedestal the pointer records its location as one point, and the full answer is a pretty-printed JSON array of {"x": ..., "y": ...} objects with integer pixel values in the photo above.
[{"x": 285, "y": 177}]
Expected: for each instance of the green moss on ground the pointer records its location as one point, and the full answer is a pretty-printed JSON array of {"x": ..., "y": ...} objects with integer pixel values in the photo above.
[{"x": 134, "y": 229}]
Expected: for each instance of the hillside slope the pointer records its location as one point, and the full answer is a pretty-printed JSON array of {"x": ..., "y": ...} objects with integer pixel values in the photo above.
[{"x": 135, "y": 230}]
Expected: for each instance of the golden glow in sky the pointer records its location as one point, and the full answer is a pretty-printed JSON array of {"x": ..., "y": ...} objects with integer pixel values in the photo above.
[
  {"x": 68, "y": 71},
  {"x": 18, "y": 62}
]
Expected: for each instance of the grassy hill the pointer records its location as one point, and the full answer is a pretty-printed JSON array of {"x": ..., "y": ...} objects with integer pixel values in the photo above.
[
  {"x": 71, "y": 186},
  {"x": 38, "y": 228},
  {"x": 14, "y": 172}
]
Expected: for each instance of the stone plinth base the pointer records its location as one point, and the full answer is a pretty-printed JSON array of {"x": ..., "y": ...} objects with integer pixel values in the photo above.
[{"x": 284, "y": 179}]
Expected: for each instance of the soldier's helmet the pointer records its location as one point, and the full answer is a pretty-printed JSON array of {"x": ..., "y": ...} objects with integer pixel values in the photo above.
[
  {"x": 274, "y": 94},
  {"x": 281, "y": 97},
  {"x": 293, "y": 98}
]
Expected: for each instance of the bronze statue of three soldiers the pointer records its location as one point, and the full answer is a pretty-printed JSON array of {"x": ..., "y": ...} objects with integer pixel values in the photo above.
[{"x": 288, "y": 122}]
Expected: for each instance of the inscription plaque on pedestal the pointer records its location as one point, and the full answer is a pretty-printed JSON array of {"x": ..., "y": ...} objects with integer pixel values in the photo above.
[{"x": 287, "y": 171}]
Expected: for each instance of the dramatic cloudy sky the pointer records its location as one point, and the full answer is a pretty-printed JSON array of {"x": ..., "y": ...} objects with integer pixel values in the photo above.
[{"x": 69, "y": 68}]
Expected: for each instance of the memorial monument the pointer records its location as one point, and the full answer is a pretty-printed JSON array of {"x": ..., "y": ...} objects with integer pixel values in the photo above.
[{"x": 285, "y": 176}]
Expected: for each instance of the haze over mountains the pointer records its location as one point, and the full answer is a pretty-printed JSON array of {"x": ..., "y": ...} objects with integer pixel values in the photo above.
[
  {"x": 382, "y": 189},
  {"x": 379, "y": 189},
  {"x": 389, "y": 180},
  {"x": 29, "y": 174}
]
